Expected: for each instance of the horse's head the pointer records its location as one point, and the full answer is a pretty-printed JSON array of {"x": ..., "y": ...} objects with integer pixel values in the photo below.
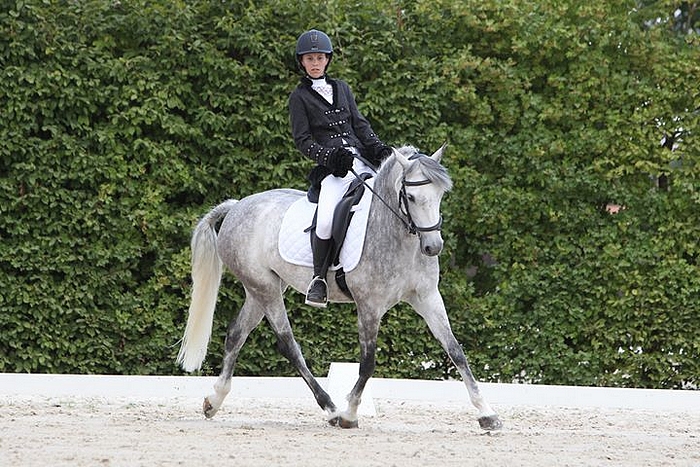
[{"x": 421, "y": 188}]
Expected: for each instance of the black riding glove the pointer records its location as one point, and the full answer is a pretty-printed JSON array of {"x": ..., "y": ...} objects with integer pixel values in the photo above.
[
  {"x": 377, "y": 153},
  {"x": 340, "y": 162},
  {"x": 385, "y": 152}
]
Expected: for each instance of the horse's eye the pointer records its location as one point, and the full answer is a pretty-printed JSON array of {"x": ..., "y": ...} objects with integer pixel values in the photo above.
[{"x": 411, "y": 198}]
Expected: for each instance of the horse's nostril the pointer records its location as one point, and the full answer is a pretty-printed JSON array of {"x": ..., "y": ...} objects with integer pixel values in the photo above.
[{"x": 429, "y": 250}]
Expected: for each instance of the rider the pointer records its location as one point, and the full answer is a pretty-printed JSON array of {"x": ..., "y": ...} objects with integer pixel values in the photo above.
[{"x": 329, "y": 129}]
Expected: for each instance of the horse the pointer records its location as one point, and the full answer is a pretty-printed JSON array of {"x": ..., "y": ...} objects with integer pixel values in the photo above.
[{"x": 401, "y": 246}]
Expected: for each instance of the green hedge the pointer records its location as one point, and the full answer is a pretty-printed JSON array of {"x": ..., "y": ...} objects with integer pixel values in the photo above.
[{"x": 124, "y": 122}]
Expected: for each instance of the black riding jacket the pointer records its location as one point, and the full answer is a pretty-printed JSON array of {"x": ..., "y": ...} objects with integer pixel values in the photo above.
[{"x": 318, "y": 128}]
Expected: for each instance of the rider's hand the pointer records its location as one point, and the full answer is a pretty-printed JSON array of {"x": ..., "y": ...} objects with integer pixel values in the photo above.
[
  {"x": 340, "y": 162},
  {"x": 377, "y": 153},
  {"x": 385, "y": 152}
]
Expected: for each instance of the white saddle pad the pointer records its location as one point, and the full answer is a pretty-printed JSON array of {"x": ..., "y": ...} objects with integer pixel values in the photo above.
[{"x": 295, "y": 245}]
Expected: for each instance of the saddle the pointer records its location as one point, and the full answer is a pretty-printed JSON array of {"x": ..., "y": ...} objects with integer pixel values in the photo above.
[
  {"x": 294, "y": 243},
  {"x": 342, "y": 215}
]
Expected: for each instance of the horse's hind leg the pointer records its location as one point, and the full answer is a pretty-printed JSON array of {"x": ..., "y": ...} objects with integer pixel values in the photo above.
[
  {"x": 238, "y": 331},
  {"x": 432, "y": 309}
]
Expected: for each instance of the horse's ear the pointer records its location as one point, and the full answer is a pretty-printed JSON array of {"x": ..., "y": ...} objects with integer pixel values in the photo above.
[
  {"x": 401, "y": 158},
  {"x": 437, "y": 155}
]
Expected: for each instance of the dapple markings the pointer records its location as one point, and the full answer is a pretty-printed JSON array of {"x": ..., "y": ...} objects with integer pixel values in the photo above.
[{"x": 399, "y": 264}]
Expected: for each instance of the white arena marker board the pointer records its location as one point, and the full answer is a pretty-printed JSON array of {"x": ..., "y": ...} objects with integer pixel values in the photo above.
[{"x": 341, "y": 379}]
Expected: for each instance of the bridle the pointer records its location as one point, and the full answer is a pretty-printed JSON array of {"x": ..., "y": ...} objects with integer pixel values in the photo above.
[
  {"x": 405, "y": 215},
  {"x": 413, "y": 229}
]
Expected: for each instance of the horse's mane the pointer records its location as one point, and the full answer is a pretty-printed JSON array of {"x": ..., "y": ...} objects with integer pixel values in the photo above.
[{"x": 431, "y": 169}]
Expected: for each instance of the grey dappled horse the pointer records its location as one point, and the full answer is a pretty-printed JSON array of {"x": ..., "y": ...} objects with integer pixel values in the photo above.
[{"x": 399, "y": 264}]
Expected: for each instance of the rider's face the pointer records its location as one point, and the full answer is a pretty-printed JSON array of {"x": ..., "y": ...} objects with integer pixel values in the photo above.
[{"x": 314, "y": 64}]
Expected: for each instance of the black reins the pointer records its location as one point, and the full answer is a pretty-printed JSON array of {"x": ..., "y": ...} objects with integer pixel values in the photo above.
[{"x": 408, "y": 222}]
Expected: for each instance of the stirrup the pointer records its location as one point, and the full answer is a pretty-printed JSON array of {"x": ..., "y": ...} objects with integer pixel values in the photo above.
[{"x": 317, "y": 293}]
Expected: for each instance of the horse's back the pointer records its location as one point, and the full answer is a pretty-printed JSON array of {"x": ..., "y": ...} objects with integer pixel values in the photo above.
[{"x": 250, "y": 229}]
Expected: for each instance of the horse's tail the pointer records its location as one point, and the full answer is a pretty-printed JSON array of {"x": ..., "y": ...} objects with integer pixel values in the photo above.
[{"x": 206, "y": 277}]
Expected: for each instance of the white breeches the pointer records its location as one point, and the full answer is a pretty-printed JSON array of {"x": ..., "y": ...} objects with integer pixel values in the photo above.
[{"x": 332, "y": 190}]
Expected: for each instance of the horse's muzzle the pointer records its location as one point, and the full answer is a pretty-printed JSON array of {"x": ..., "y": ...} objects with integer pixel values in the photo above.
[{"x": 431, "y": 243}]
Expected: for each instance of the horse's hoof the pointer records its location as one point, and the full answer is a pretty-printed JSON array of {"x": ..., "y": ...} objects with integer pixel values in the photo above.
[
  {"x": 333, "y": 421},
  {"x": 344, "y": 423},
  {"x": 208, "y": 409},
  {"x": 490, "y": 423}
]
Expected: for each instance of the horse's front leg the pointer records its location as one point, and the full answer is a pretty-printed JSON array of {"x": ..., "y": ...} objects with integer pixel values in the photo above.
[
  {"x": 432, "y": 308},
  {"x": 368, "y": 331}
]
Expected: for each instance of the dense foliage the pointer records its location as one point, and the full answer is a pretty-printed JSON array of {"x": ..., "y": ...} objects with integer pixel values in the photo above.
[{"x": 571, "y": 234}]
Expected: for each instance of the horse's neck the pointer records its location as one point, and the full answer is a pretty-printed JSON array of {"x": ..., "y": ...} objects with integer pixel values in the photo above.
[{"x": 385, "y": 187}]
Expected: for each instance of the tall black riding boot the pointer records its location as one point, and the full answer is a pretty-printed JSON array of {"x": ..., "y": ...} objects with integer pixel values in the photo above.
[{"x": 317, "y": 293}]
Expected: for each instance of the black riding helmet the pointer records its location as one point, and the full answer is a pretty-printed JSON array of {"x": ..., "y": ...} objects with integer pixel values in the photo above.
[{"x": 314, "y": 41}]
